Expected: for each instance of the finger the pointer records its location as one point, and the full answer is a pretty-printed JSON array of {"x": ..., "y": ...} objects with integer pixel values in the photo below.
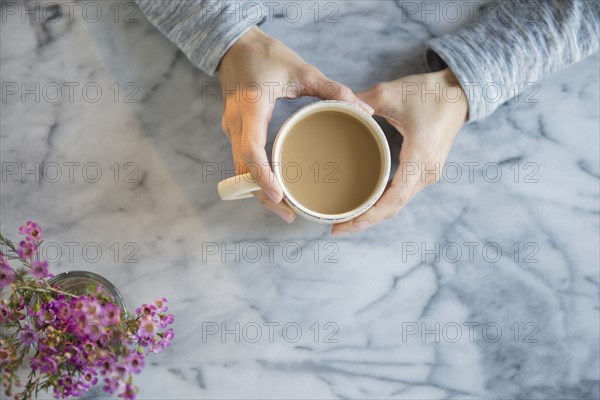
[
  {"x": 236, "y": 150},
  {"x": 281, "y": 209},
  {"x": 316, "y": 84},
  {"x": 232, "y": 126},
  {"x": 255, "y": 121},
  {"x": 404, "y": 186}
]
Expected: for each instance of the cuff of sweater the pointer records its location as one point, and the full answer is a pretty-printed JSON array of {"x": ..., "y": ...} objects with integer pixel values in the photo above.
[
  {"x": 450, "y": 51},
  {"x": 209, "y": 40},
  {"x": 208, "y": 49}
]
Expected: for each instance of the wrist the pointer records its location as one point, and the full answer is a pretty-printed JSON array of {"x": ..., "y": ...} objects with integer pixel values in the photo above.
[
  {"x": 252, "y": 39},
  {"x": 452, "y": 91}
]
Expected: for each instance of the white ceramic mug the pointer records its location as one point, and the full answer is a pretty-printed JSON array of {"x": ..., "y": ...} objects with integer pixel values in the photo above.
[{"x": 240, "y": 187}]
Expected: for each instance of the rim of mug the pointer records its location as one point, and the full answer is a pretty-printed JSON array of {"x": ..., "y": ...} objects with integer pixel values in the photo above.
[{"x": 353, "y": 111}]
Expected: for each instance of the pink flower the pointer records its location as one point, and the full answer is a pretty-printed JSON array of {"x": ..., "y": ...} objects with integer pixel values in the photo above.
[
  {"x": 92, "y": 308},
  {"x": 136, "y": 362},
  {"x": 88, "y": 378},
  {"x": 169, "y": 335},
  {"x": 144, "y": 341},
  {"x": 111, "y": 385},
  {"x": 39, "y": 269},
  {"x": 111, "y": 314},
  {"x": 89, "y": 348},
  {"x": 32, "y": 231},
  {"x": 129, "y": 392},
  {"x": 121, "y": 370},
  {"x": 28, "y": 335},
  {"x": 27, "y": 250},
  {"x": 162, "y": 341},
  {"x": 147, "y": 327},
  {"x": 157, "y": 345},
  {"x": 50, "y": 365},
  {"x": 106, "y": 365},
  {"x": 166, "y": 320},
  {"x": 4, "y": 356},
  {"x": 64, "y": 311},
  {"x": 48, "y": 316},
  {"x": 161, "y": 304},
  {"x": 146, "y": 310},
  {"x": 66, "y": 387},
  {"x": 73, "y": 354},
  {"x": 7, "y": 276},
  {"x": 93, "y": 330},
  {"x": 77, "y": 324},
  {"x": 46, "y": 364},
  {"x": 79, "y": 303},
  {"x": 5, "y": 314}
]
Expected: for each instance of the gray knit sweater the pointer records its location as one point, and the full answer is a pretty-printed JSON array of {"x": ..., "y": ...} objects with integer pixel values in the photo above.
[{"x": 495, "y": 58}]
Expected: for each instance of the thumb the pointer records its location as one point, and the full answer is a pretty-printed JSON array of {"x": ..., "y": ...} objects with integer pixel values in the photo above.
[
  {"x": 375, "y": 96},
  {"x": 318, "y": 85},
  {"x": 368, "y": 96}
]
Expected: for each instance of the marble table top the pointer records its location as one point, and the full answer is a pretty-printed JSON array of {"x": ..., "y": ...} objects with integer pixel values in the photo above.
[{"x": 485, "y": 286}]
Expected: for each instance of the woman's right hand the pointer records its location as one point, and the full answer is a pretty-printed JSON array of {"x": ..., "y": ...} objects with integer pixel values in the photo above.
[{"x": 255, "y": 72}]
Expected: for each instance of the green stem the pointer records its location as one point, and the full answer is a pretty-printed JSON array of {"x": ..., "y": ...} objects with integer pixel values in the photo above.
[
  {"x": 46, "y": 290},
  {"x": 7, "y": 243}
]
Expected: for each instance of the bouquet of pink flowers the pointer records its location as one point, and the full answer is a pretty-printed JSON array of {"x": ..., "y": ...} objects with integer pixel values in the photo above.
[{"x": 69, "y": 341}]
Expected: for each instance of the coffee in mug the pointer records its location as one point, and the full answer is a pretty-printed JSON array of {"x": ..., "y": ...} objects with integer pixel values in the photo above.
[
  {"x": 331, "y": 163},
  {"x": 330, "y": 158}
]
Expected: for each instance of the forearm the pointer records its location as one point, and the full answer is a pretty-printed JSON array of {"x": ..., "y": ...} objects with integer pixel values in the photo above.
[
  {"x": 203, "y": 29},
  {"x": 519, "y": 44}
]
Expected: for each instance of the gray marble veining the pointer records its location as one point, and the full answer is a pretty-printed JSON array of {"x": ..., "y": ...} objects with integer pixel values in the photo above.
[{"x": 418, "y": 307}]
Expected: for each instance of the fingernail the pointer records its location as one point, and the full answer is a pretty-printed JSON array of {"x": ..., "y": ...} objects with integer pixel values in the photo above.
[
  {"x": 361, "y": 225},
  {"x": 274, "y": 196},
  {"x": 366, "y": 107},
  {"x": 340, "y": 233},
  {"x": 286, "y": 215}
]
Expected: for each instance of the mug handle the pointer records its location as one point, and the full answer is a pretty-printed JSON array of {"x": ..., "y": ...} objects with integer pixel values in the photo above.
[{"x": 237, "y": 187}]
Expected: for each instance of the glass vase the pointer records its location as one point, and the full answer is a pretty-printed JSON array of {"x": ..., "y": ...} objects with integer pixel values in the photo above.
[{"x": 85, "y": 282}]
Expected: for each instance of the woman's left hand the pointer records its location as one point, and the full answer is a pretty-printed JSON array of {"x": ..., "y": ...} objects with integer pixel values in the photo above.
[{"x": 428, "y": 110}]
